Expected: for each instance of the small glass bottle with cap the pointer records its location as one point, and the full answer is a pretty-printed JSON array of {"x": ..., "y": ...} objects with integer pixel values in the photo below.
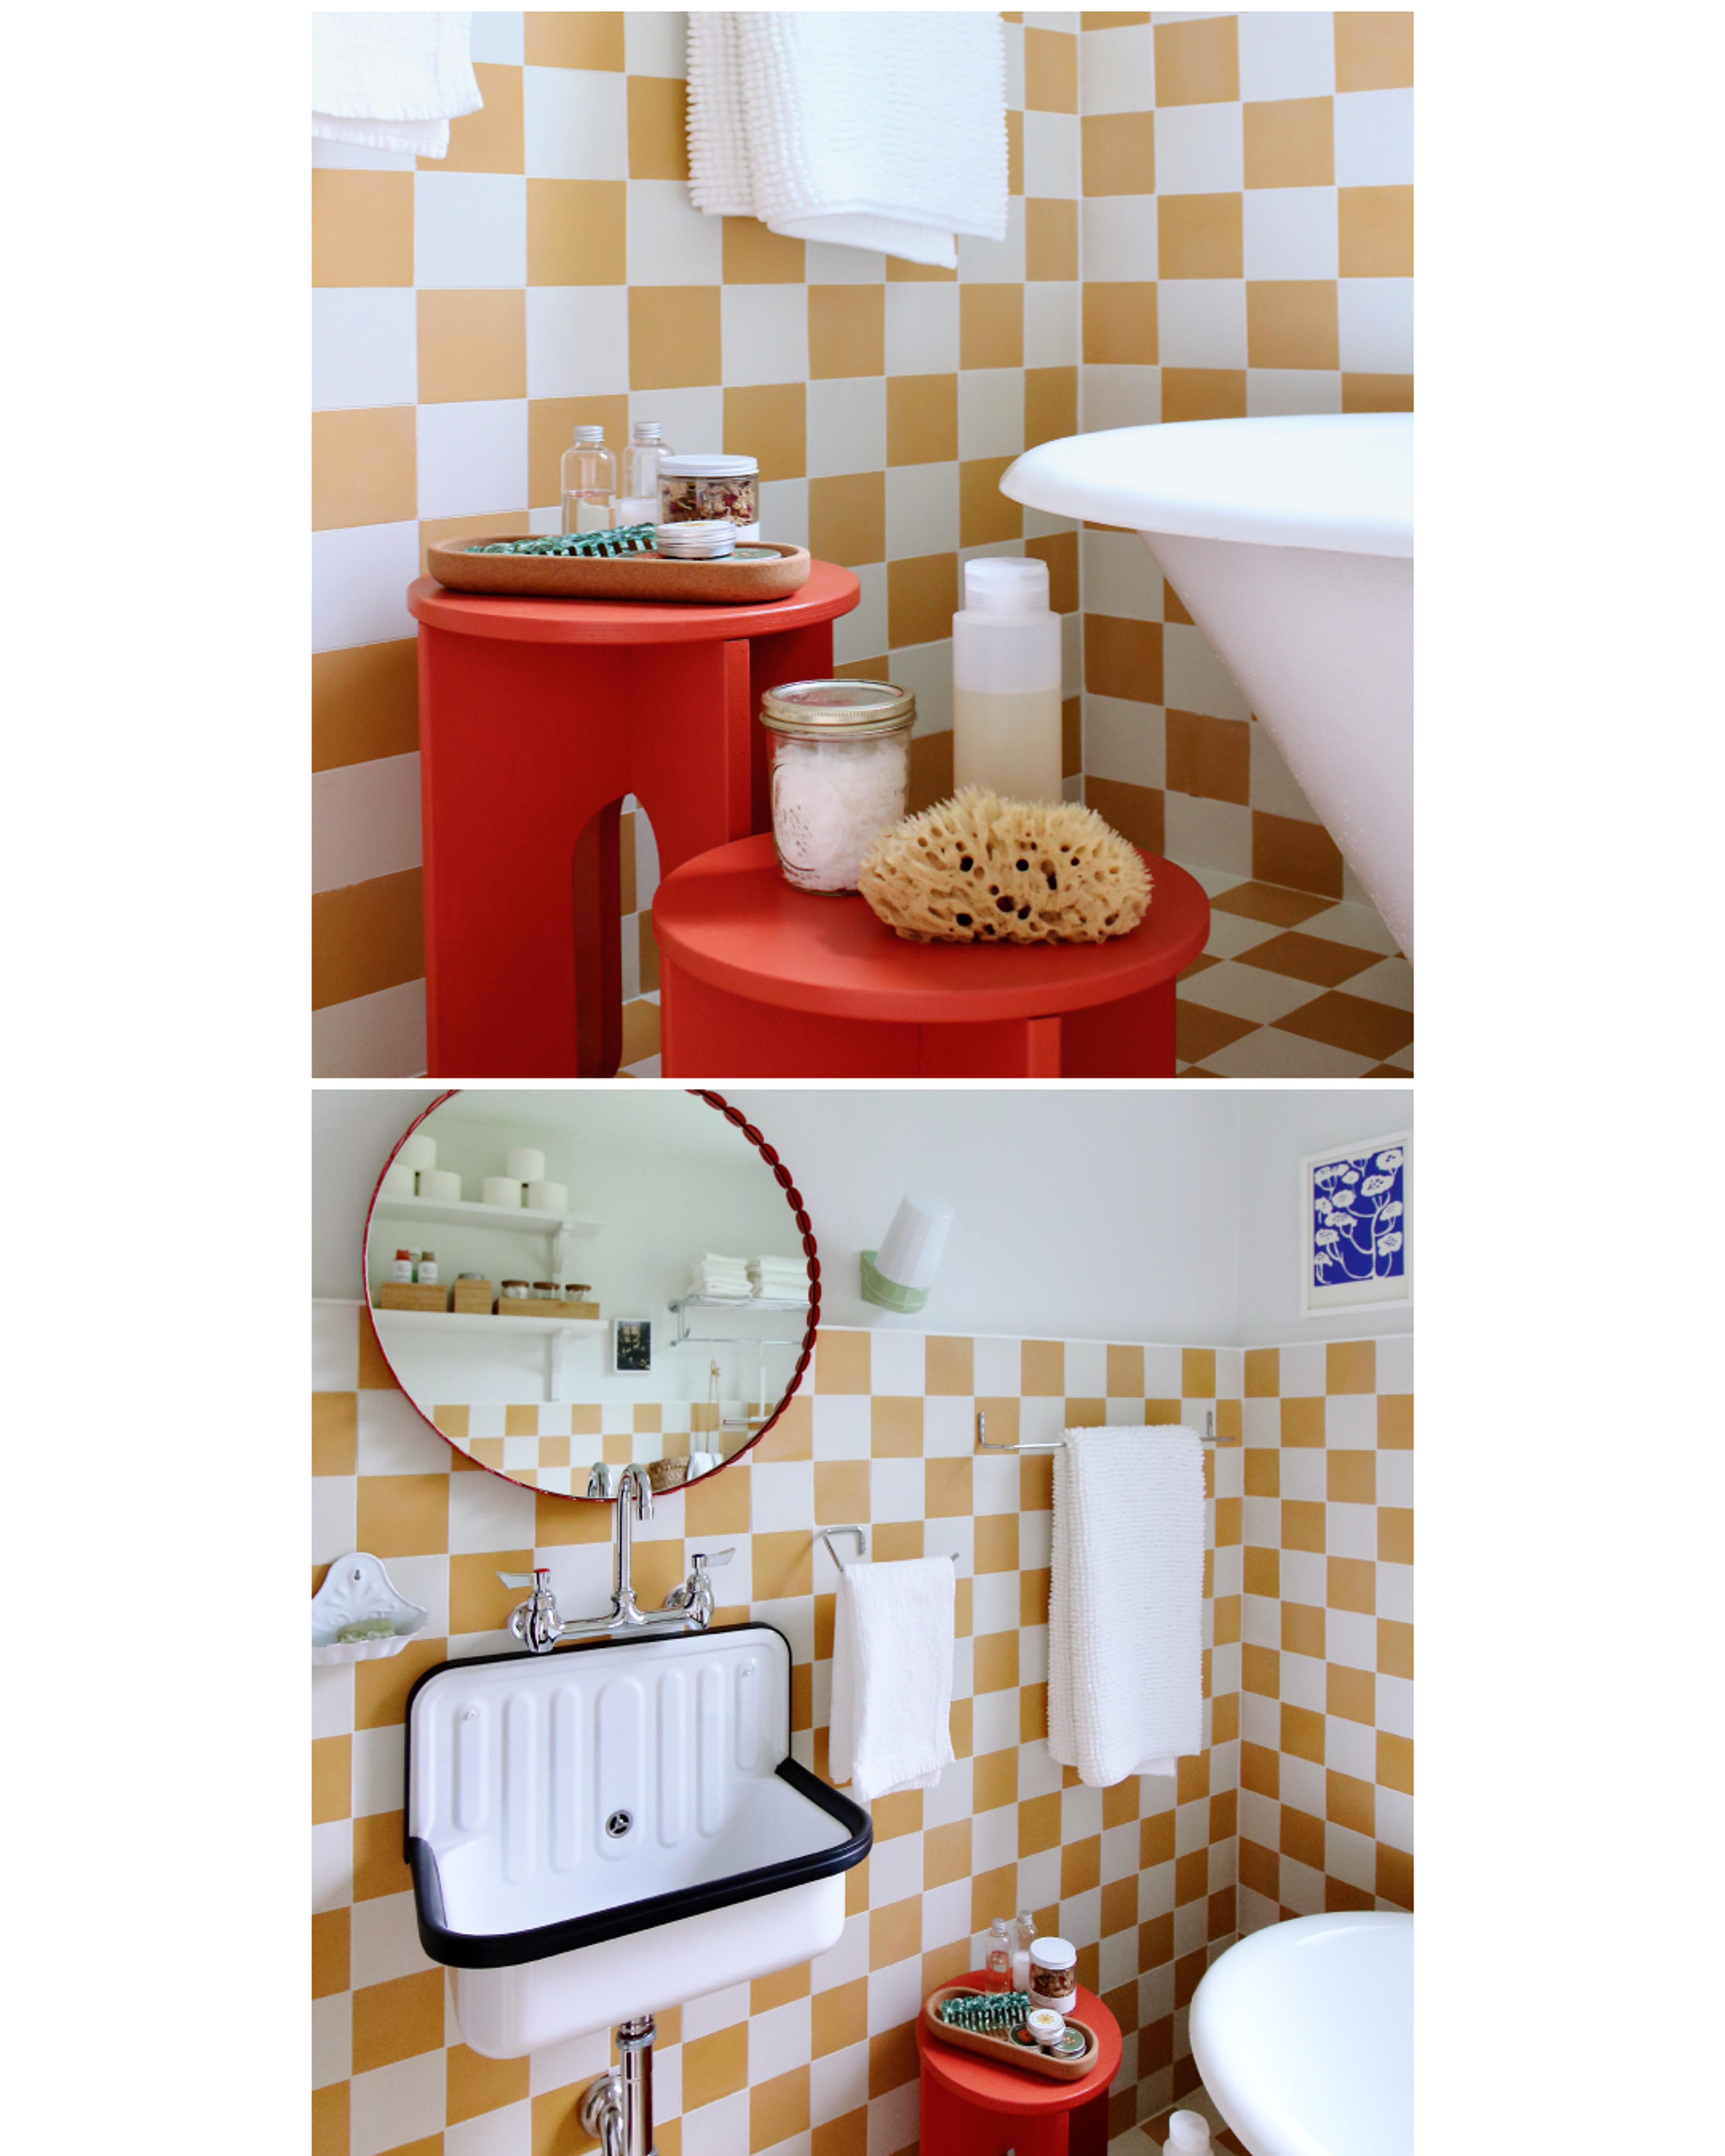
[
  {"x": 1024, "y": 1931},
  {"x": 1000, "y": 1962},
  {"x": 638, "y": 501},
  {"x": 841, "y": 774},
  {"x": 589, "y": 482}
]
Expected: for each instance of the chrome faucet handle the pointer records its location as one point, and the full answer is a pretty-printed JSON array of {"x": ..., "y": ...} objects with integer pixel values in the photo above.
[
  {"x": 714, "y": 1556},
  {"x": 534, "y": 1622},
  {"x": 696, "y": 1595}
]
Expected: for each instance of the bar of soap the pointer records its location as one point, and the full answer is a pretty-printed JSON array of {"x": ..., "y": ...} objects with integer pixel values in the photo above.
[{"x": 365, "y": 1628}]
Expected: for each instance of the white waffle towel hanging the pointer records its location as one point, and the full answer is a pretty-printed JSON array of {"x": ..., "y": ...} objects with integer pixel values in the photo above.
[{"x": 392, "y": 81}]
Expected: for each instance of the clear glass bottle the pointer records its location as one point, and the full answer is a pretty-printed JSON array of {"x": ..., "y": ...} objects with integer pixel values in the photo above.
[
  {"x": 1024, "y": 1931},
  {"x": 999, "y": 1956},
  {"x": 637, "y": 500},
  {"x": 589, "y": 482}
]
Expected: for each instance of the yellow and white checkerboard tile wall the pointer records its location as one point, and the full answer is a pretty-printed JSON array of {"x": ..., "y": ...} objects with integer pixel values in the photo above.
[
  {"x": 1209, "y": 214},
  {"x": 1149, "y": 1879}
]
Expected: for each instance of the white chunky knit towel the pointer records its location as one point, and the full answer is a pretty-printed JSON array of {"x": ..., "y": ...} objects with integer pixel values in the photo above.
[
  {"x": 1126, "y": 1602},
  {"x": 885, "y": 130},
  {"x": 892, "y": 1676},
  {"x": 393, "y": 82}
]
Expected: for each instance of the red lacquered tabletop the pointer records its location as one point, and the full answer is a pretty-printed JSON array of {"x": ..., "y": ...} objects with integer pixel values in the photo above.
[
  {"x": 1001, "y": 2088},
  {"x": 731, "y": 918},
  {"x": 831, "y": 591}
]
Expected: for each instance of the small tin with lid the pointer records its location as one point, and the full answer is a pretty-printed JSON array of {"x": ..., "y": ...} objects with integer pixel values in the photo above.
[
  {"x": 704, "y": 487},
  {"x": 841, "y": 774},
  {"x": 1053, "y": 1974}
]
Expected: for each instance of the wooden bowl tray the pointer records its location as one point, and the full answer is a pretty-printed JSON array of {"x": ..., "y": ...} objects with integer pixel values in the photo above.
[
  {"x": 1001, "y": 2049},
  {"x": 618, "y": 576}
]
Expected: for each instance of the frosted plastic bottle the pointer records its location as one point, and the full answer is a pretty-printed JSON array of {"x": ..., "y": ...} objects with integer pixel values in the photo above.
[
  {"x": 1006, "y": 682},
  {"x": 589, "y": 482},
  {"x": 1189, "y": 2134},
  {"x": 638, "y": 501}
]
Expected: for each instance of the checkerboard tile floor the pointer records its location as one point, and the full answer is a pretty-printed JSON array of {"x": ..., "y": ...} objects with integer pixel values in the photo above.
[{"x": 1289, "y": 985}]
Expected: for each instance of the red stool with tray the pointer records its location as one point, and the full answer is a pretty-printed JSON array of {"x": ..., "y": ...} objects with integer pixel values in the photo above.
[{"x": 976, "y": 2105}]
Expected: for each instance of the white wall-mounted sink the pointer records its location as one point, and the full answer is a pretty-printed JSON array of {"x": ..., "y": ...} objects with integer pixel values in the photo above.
[
  {"x": 604, "y": 1832},
  {"x": 1290, "y": 543},
  {"x": 1304, "y": 2035}
]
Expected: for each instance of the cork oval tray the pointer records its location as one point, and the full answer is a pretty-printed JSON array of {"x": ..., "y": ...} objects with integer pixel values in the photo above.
[
  {"x": 1001, "y": 2049},
  {"x": 618, "y": 576}
]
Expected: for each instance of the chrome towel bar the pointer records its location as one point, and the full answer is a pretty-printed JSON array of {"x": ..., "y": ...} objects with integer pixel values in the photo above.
[
  {"x": 826, "y": 1534},
  {"x": 983, "y": 1445}
]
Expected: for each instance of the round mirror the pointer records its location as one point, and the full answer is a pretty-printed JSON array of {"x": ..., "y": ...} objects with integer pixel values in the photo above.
[{"x": 565, "y": 1282}]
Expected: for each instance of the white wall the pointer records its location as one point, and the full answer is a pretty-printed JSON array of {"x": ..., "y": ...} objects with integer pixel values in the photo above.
[{"x": 1277, "y": 1130}]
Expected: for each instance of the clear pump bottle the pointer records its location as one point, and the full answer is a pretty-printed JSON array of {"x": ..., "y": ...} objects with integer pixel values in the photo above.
[
  {"x": 589, "y": 482},
  {"x": 638, "y": 501},
  {"x": 1006, "y": 682}
]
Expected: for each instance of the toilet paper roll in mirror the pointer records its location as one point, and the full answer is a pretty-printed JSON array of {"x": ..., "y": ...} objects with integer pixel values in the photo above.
[
  {"x": 525, "y": 1164},
  {"x": 441, "y": 1183},
  {"x": 398, "y": 1180},
  {"x": 548, "y": 1197},
  {"x": 418, "y": 1150},
  {"x": 502, "y": 1190}
]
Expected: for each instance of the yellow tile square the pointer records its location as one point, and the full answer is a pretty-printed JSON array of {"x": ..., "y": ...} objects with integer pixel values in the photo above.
[
  {"x": 997, "y": 1542},
  {"x": 922, "y": 422},
  {"x": 578, "y": 234},
  {"x": 1119, "y": 324},
  {"x": 1051, "y": 242},
  {"x": 1352, "y": 1477},
  {"x": 751, "y": 255},
  {"x": 895, "y": 1427},
  {"x": 361, "y": 228},
  {"x": 1125, "y": 1373},
  {"x": 1375, "y": 231},
  {"x": 479, "y": 1601},
  {"x": 995, "y": 1662},
  {"x": 847, "y": 522},
  {"x": 1350, "y": 1366},
  {"x": 364, "y": 467},
  {"x": 1395, "y": 1422},
  {"x": 1290, "y": 143},
  {"x": 1396, "y": 1763},
  {"x": 330, "y": 1959},
  {"x": 335, "y": 1433},
  {"x": 658, "y": 127},
  {"x": 986, "y": 516},
  {"x": 718, "y": 1504},
  {"x": 948, "y": 1365},
  {"x": 922, "y": 598},
  {"x": 1303, "y": 1525},
  {"x": 402, "y": 1515},
  {"x": 1050, "y": 71},
  {"x": 575, "y": 40},
  {"x": 559, "y": 1521},
  {"x": 895, "y": 1932},
  {"x": 899, "y": 272},
  {"x": 1198, "y": 1373},
  {"x": 792, "y": 1437},
  {"x": 841, "y": 1491},
  {"x": 1050, "y": 404},
  {"x": 397, "y": 2019},
  {"x": 1119, "y": 153},
  {"x": 331, "y": 1779},
  {"x": 947, "y": 1487},
  {"x": 1302, "y": 1421},
  {"x": 1395, "y": 1649},
  {"x": 1198, "y": 63},
  {"x": 674, "y": 337},
  {"x": 769, "y": 423},
  {"x": 841, "y": 1361},
  {"x": 1014, "y": 153},
  {"x": 1291, "y": 323},
  {"x": 1395, "y": 1534},
  {"x": 782, "y": 1563},
  {"x": 1042, "y": 1369},
  {"x": 1263, "y": 1372},
  {"x": 364, "y": 704},
  {"x": 847, "y": 331},
  {"x": 492, "y": 139},
  {"x": 1373, "y": 51},
  {"x": 994, "y": 1780},
  {"x": 473, "y": 2085},
  {"x": 1351, "y": 1694},
  {"x": 715, "y": 2066},
  {"x": 840, "y": 2017},
  {"x": 1200, "y": 235},
  {"x": 1377, "y": 393},
  {"x": 991, "y": 325},
  {"x": 1123, "y": 659},
  {"x": 778, "y": 2108},
  {"x": 946, "y": 1854}
]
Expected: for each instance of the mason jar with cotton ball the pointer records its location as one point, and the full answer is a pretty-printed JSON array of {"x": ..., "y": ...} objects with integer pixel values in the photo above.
[{"x": 1006, "y": 682}]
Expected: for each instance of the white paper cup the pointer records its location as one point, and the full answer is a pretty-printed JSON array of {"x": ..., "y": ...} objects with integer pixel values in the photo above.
[{"x": 502, "y": 1190}]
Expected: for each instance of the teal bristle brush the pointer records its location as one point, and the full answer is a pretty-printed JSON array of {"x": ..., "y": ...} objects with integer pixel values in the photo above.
[
  {"x": 986, "y": 2013},
  {"x": 627, "y": 539}
]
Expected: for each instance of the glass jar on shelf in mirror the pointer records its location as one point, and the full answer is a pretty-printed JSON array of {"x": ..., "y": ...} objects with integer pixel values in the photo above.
[{"x": 523, "y": 1378}]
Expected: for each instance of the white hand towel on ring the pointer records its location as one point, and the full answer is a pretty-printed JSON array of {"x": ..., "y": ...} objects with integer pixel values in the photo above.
[{"x": 893, "y": 1674}]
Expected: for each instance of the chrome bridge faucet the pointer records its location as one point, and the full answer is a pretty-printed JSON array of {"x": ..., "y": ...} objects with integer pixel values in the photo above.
[{"x": 688, "y": 1608}]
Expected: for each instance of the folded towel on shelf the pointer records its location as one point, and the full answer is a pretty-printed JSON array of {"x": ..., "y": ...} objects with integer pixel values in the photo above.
[
  {"x": 892, "y": 1676},
  {"x": 877, "y": 130},
  {"x": 393, "y": 82},
  {"x": 717, "y": 1275},
  {"x": 779, "y": 1279},
  {"x": 1126, "y": 1602}
]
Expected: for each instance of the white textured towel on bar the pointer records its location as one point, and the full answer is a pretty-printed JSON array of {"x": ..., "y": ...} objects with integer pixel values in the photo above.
[
  {"x": 392, "y": 81},
  {"x": 892, "y": 1676},
  {"x": 1126, "y": 1602},
  {"x": 885, "y": 130}
]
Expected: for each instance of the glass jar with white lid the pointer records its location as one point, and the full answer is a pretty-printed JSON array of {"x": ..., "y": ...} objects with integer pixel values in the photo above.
[{"x": 703, "y": 487}]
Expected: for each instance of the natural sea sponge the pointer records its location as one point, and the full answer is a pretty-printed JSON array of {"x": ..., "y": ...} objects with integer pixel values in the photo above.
[{"x": 979, "y": 870}]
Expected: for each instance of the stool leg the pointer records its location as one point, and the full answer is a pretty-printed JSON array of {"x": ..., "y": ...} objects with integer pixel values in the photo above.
[
  {"x": 997, "y": 1048},
  {"x": 1046, "y": 2135},
  {"x": 1087, "y": 2127},
  {"x": 599, "y": 951},
  {"x": 950, "y": 2127},
  {"x": 1131, "y": 1038}
]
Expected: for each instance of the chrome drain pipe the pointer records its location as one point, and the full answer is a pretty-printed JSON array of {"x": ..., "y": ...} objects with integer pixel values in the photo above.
[{"x": 618, "y": 2108}]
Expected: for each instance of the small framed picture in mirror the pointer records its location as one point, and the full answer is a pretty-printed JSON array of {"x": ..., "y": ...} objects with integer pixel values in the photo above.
[{"x": 631, "y": 1345}]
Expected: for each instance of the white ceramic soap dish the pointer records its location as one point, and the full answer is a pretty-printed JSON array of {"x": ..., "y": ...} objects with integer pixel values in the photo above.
[{"x": 355, "y": 1588}]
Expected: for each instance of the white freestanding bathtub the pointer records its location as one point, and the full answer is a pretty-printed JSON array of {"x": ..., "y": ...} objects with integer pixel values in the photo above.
[{"x": 1291, "y": 544}]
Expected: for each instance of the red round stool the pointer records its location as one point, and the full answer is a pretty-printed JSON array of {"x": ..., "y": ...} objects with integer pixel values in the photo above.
[
  {"x": 758, "y": 980},
  {"x": 973, "y": 2107}
]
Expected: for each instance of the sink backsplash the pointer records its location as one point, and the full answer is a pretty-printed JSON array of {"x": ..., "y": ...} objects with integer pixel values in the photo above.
[{"x": 1300, "y": 1802}]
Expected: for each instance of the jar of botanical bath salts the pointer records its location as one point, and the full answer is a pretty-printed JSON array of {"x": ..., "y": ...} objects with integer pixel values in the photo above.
[
  {"x": 703, "y": 487},
  {"x": 841, "y": 774}
]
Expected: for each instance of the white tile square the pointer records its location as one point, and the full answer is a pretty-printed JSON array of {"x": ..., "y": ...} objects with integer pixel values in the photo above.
[
  {"x": 671, "y": 242},
  {"x": 393, "y": 1437},
  {"x": 656, "y": 41},
  {"x": 781, "y": 1496},
  {"x": 921, "y": 510},
  {"x": 846, "y": 1961},
  {"x": 925, "y": 670},
  {"x": 1289, "y": 233},
  {"x": 784, "y": 511},
  {"x": 995, "y": 261},
  {"x": 841, "y": 1425},
  {"x": 1199, "y": 150},
  {"x": 1215, "y": 832},
  {"x": 1351, "y": 1748},
  {"x": 1374, "y": 138},
  {"x": 360, "y": 576},
  {"x": 332, "y": 1865},
  {"x": 693, "y": 419},
  {"x": 1193, "y": 678},
  {"x": 1351, "y": 1640},
  {"x": 486, "y": 1513},
  {"x": 1286, "y": 55},
  {"x": 949, "y": 1427},
  {"x": 1015, "y": 38},
  {"x": 714, "y": 2010},
  {"x": 892, "y": 2117},
  {"x": 469, "y": 230},
  {"x": 507, "y": 2131},
  {"x": 1121, "y": 577},
  {"x": 1394, "y": 1819},
  {"x": 1395, "y": 1705},
  {"x": 895, "y": 1993},
  {"x": 334, "y": 1502},
  {"x": 997, "y": 1366},
  {"x": 922, "y": 329},
  {"x": 577, "y": 339},
  {"x": 1301, "y": 1466},
  {"x": 332, "y": 1699},
  {"x": 1274, "y": 392},
  {"x": 1119, "y": 396},
  {"x": 861, "y": 633},
  {"x": 780, "y": 2039},
  {"x": 950, "y": 1799},
  {"x": 575, "y": 125},
  {"x": 720, "y": 2128},
  {"x": 1201, "y": 322},
  {"x": 1116, "y": 69},
  {"x": 499, "y": 36},
  {"x": 394, "y": 2104},
  {"x": 847, "y": 425},
  {"x": 1390, "y": 981},
  {"x": 328, "y": 157},
  {"x": 1051, "y": 324},
  {"x": 839, "y": 2082},
  {"x": 1352, "y": 1531},
  {"x": 823, "y": 264},
  {"x": 991, "y": 412},
  {"x": 331, "y": 2039},
  {"x": 946, "y": 1914},
  {"x": 1375, "y": 324},
  {"x": 1118, "y": 238},
  {"x": 765, "y": 329},
  {"x": 364, "y": 348},
  {"x": 335, "y": 1348},
  {"x": 1123, "y": 741},
  {"x": 994, "y": 1605},
  {"x": 895, "y": 1489},
  {"x": 385, "y": 1941},
  {"x": 579, "y": 2059},
  {"x": 473, "y": 457},
  {"x": 896, "y": 1362},
  {"x": 1051, "y": 155}
]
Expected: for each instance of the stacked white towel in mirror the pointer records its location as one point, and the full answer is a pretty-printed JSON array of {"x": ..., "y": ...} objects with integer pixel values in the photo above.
[
  {"x": 718, "y": 1275},
  {"x": 779, "y": 1279}
]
